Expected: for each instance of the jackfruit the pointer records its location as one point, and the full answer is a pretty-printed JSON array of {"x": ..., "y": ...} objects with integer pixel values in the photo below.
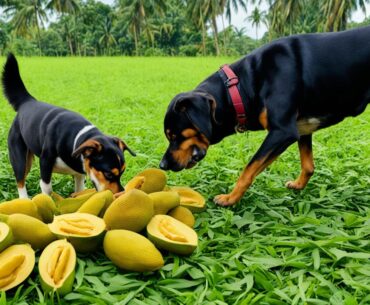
[
  {"x": 45, "y": 206},
  {"x": 98, "y": 202},
  {"x": 184, "y": 215},
  {"x": 57, "y": 267},
  {"x": 29, "y": 230},
  {"x": 131, "y": 251},
  {"x": 131, "y": 211},
  {"x": 83, "y": 192},
  {"x": 19, "y": 206},
  {"x": 190, "y": 199},
  {"x": 71, "y": 205},
  {"x": 172, "y": 235},
  {"x": 16, "y": 264},
  {"x": 155, "y": 180},
  {"x": 84, "y": 231},
  {"x": 164, "y": 201},
  {"x": 6, "y": 236}
]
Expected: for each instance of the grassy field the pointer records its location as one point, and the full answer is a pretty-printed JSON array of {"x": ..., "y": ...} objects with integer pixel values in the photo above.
[{"x": 277, "y": 246}]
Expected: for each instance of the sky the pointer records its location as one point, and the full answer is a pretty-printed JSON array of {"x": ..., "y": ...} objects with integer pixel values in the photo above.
[{"x": 239, "y": 19}]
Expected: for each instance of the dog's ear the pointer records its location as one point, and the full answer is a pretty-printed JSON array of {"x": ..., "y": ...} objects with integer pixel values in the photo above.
[
  {"x": 123, "y": 146},
  {"x": 200, "y": 108},
  {"x": 87, "y": 148}
]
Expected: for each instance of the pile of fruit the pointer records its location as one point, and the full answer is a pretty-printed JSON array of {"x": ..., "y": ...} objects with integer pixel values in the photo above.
[{"x": 130, "y": 226}]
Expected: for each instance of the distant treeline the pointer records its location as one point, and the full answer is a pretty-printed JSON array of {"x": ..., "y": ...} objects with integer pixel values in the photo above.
[{"x": 159, "y": 27}]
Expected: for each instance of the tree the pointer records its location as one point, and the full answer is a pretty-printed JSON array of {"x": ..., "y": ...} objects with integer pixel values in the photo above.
[
  {"x": 64, "y": 6},
  {"x": 136, "y": 14},
  {"x": 28, "y": 16},
  {"x": 107, "y": 39},
  {"x": 256, "y": 18},
  {"x": 337, "y": 12}
]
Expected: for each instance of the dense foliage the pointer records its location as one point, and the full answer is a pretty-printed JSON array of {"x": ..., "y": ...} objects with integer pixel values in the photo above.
[{"x": 158, "y": 27}]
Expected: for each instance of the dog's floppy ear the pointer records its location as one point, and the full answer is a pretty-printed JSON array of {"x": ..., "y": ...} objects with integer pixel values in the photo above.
[
  {"x": 87, "y": 148},
  {"x": 200, "y": 108},
  {"x": 123, "y": 146}
]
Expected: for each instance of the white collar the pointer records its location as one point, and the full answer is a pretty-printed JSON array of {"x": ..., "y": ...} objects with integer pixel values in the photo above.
[{"x": 80, "y": 133}]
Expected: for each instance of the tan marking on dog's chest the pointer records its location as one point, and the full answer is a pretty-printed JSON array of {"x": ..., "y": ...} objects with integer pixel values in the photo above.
[{"x": 307, "y": 126}]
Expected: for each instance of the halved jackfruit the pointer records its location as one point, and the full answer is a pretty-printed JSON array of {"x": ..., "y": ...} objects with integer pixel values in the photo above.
[
  {"x": 6, "y": 236},
  {"x": 57, "y": 267},
  {"x": 16, "y": 264},
  {"x": 170, "y": 234},
  {"x": 84, "y": 231},
  {"x": 190, "y": 199},
  {"x": 131, "y": 251}
]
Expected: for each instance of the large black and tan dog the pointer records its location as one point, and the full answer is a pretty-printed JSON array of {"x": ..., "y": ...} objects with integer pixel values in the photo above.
[
  {"x": 64, "y": 141},
  {"x": 290, "y": 87}
]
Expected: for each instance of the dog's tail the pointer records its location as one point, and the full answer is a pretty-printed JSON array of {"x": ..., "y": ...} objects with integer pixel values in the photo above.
[{"x": 13, "y": 86}]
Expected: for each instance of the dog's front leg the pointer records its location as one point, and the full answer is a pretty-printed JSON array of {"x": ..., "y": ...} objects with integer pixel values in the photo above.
[
  {"x": 46, "y": 168},
  {"x": 273, "y": 145}
]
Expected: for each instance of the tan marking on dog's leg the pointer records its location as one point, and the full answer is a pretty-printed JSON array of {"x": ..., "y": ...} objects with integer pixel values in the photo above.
[
  {"x": 244, "y": 181},
  {"x": 307, "y": 165},
  {"x": 262, "y": 118}
]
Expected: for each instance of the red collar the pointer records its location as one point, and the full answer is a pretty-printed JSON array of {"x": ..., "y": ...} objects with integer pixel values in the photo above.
[{"x": 231, "y": 83}]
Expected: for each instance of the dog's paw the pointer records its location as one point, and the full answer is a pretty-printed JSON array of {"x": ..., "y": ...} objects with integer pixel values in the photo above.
[
  {"x": 294, "y": 185},
  {"x": 224, "y": 200}
]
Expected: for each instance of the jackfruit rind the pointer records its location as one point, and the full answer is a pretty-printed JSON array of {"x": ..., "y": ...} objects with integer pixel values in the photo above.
[
  {"x": 155, "y": 180},
  {"x": 131, "y": 251},
  {"x": 46, "y": 207},
  {"x": 16, "y": 264},
  {"x": 164, "y": 201},
  {"x": 29, "y": 230},
  {"x": 184, "y": 215},
  {"x": 83, "y": 192},
  {"x": 71, "y": 205},
  {"x": 19, "y": 206},
  {"x": 172, "y": 235},
  {"x": 84, "y": 231},
  {"x": 190, "y": 199},
  {"x": 131, "y": 211},
  {"x": 96, "y": 203},
  {"x": 57, "y": 267},
  {"x": 6, "y": 236}
]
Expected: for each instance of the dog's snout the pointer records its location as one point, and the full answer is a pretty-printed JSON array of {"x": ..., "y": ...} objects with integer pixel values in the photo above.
[
  {"x": 121, "y": 188},
  {"x": 164, "y": 164},
  {"x": 198, "y": 154}
]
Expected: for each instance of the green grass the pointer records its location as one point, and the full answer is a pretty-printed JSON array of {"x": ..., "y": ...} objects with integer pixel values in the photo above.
[{"x": 276, "y": 246}]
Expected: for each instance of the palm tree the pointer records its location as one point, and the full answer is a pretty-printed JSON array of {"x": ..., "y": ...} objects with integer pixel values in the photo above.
[
  {"x": 283, "y": 13},
  {"x": 107, "y": 39},
  {"x": 28, "y": 16},
  {"x": 136, "y": 12},
  {"x": 256, "y": 18},
  {"x": 64, "y": 6},
  {"x": 227, "y": 6},
  {"x": 194, "y": 12},
  {"x": 337, "y": 12}
]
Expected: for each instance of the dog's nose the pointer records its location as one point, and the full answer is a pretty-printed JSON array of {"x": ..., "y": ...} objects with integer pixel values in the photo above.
[
  {"x": 198, "y": 154},
  {"x": 164, "y": 164},
  {"x": 121, "y": 188}
]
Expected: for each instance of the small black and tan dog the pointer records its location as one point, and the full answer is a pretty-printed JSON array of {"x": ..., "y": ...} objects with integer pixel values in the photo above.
[
  {"x": 64, "y": 141},
  {"x": 290, "y": 87}
]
